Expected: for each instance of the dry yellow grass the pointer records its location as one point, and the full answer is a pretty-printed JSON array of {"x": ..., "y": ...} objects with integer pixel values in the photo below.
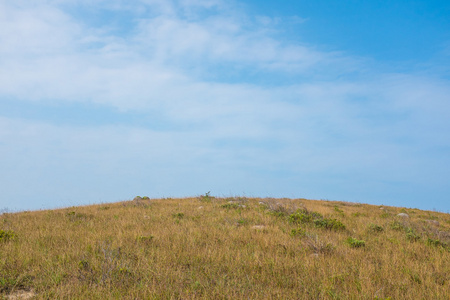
[{"x": 208, "y": 248}]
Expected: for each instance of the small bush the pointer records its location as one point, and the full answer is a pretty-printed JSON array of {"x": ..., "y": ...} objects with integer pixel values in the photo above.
[
  {"x": 6, "y": 235},
  {"x": 396, "y": 225},
  {"x": 411, "y": 235},
  {"x": 437, "y": 243},
  {"x": 300, "y": 217},
  {"x": 354, "y": 243},
  {"x": 298, "y": 232},
  {"x": 179, "y": 215},
  {"x": 331, "y": 224},
  {"x": 336, "y": 208},
  {"x": 375, "y": 228},
  {"x": 304, "y": 216},
  {"x": 385, "y": 215},
  {"x": 206, "y": 198}
]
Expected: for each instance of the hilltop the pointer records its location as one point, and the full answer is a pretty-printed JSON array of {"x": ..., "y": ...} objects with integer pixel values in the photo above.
[{"x": 225, "y": 248}]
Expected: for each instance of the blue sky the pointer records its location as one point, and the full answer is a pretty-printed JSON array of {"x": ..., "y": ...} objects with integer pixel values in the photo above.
[{"x": 342, "y": 100}]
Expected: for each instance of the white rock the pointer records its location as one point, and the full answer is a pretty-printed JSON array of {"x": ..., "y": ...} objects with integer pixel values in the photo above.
[
  {"x": 403, "y": 215},
  {"x": 258, "y": 227}
]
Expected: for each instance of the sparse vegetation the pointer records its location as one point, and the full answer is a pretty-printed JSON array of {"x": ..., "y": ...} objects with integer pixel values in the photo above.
[
  {"x": 206, "y": 198},
  {"x": 6, "y": 235},
  {"x": 215, "y": 248},
  {"x": 355, "y": 243},
  {"x": 375, "y": 228}
]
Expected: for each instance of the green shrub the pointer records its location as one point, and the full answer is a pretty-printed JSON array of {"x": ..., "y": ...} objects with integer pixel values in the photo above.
[
  {"x": 375, "y": 228},
  {"x": 6, "y": 235},
  {"x": 385, "y": 215},
  {"x": 300, "y": 217},
  {"x": 437, "y": 243},
  {"x": 336, "y": 208},
  {"x": 411, "y": 235},
  {"x": 303, "y": 216},
  {"x": 298, "y": 232},
  {"x": 331, "y": 224},
  {"x": 354, "y": 243},
  {"x": 206, "y": 198},
  {"x": 179, "y": 215},
  {"x": 396, "y": 225}
]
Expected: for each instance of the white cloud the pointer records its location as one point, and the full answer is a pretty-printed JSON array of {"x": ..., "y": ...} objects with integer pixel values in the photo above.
[
  {"x": 49, "y": 55},
  {"x": 174, "y": 63}
]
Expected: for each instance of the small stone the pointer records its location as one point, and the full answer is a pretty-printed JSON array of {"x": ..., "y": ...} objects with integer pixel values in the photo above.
[
  {"x": 258, "y": 227},
  {"x": 403, "y": 215},
  {"x": 21, "y": 295},
  {"x": 200, "y": 207}
]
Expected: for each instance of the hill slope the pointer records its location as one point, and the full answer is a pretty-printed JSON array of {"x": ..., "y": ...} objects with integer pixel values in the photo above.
[{"x": 232, "y": 248}]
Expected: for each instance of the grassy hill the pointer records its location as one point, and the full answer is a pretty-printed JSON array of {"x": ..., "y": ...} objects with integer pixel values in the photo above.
[{"x": 234, "y": 248}]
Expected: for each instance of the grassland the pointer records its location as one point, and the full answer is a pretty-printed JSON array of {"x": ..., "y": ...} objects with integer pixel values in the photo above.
[{"x": 234, "y": 248}]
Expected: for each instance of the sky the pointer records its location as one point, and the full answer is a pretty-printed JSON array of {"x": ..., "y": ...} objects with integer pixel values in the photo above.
[{"x": 101, "y": 101}]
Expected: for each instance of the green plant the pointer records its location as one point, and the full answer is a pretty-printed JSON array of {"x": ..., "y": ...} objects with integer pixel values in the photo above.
[
  {"x": 355, "y": 243},
  {"x": 300, "y": 217},
  {"x": 206, "y": 198},
  {"x": 385, "y": 215},
  {"x": 242, "y": 222},
  {"x": 336, "y": 208},
  {"x": 331, "y": 224},
  {"x": 396, "y": 225},
  {"x": 375, "y": 228},
  {"x": 339, "y": 211},
  {"x": 411, "y": 235},
  {"x": 179, "y": 215},
  {"x": 437, "y": 243},
  {"x": 298, "y": 232},
  {"x": 6, "y": 235}
]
